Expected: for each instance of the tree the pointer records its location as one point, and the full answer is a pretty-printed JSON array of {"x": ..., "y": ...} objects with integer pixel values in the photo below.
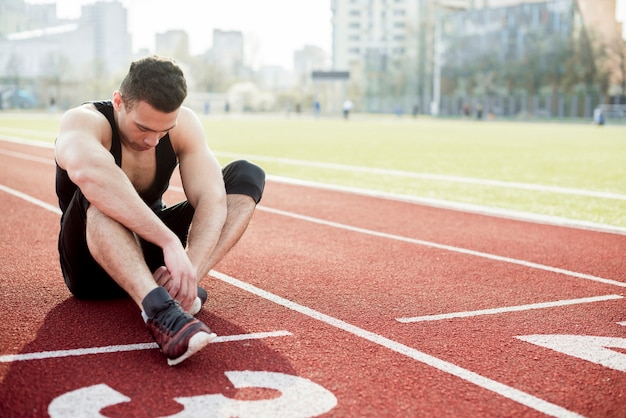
[
  {"x": 586, "y": 65},
  {"x": 616, "y": 54}
]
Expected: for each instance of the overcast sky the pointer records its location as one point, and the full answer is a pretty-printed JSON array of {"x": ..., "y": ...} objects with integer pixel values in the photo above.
[{"x": 272, "y": 29}]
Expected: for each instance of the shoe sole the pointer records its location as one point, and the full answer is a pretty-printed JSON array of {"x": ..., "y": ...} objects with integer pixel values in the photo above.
[{"x": 196, "y": 343}]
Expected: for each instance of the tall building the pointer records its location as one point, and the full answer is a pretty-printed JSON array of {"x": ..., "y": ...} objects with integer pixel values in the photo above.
[
  {"x": 306, "y": 60},
  {"x": 381, "y": 43},
  {"x": 95, "y": 46},
  {"x": 63, "y": 60},
  {"x": 112, "y": 41},
  {"x": 172, "y": 43},
  {"x": 377, "y": 30},
  {"x": 18, "y": 16},
  {"x": 227, "y": 51}
]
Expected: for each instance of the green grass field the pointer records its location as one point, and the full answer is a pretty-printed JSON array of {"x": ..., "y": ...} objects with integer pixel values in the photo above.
[{"x": 582, "y": 159}]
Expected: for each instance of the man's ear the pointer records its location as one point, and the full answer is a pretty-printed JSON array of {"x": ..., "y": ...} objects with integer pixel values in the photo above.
[{"x": 118, "y": 102}]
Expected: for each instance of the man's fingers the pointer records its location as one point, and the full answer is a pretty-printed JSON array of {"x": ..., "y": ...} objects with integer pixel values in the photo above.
[{"x": 161, "y": 276}]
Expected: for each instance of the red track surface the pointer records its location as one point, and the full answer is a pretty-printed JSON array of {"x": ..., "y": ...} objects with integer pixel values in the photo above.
[{"x": 330, "y": 273}]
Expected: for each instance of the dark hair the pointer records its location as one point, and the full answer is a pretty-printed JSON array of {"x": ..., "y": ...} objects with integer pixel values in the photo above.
[{"x": 155, "y": 80}]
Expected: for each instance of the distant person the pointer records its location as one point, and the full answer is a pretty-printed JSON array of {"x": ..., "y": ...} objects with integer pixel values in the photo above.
[
  {"x": 479, "y": 111},
  {"x": 347, "y": 107},
  {"x": 52, "y": 105},
  {"x": 416, "y": 110},
  {"x": 226, "y": 107},
  {"x": 467, "y": 110},
  {"x": 598, "y": 116},
  {"x": 117, "y": 238},
  {"x": 317, "y": 108}
]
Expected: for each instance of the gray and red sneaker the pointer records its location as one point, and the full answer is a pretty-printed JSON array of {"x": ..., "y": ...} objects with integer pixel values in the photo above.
[{"x": 178, "y": 334}]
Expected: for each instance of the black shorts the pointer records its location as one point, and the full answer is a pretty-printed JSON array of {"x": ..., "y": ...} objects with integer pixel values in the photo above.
[{"x": 86, "y": 279}]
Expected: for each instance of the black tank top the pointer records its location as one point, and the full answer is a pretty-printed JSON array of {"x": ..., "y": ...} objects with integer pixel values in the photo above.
[{"x": 165, "y": 165}]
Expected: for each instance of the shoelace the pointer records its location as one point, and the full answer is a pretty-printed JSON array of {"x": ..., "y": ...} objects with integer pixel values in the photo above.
[{"x": 171, "y": 318}]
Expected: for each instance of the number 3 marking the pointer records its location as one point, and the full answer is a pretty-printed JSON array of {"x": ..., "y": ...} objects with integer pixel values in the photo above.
[
  {"x": 299, "y": 398},
  {"x": 594, "y": 349}
]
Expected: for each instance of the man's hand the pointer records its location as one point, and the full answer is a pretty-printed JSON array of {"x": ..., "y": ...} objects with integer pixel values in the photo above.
[{"x": 178, "y": 276}]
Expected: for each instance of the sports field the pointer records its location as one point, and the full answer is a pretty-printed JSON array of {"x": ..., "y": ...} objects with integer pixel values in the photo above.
[{"x": 571, "y": 171}]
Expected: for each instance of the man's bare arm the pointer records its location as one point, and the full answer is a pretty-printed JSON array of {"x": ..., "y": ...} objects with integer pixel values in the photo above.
[{"x": 204, "y": 187}]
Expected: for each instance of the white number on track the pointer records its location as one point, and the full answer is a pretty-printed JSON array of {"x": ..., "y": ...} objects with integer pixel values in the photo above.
[
  {"x": 594, "y": 349},
  {"x": 299, "y": 398}
]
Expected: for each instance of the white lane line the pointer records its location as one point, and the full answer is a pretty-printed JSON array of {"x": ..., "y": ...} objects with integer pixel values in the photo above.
[
  {"x": 30, "y": 199},
  {"x": 27, "y": 157},
  {"x": 28, "y": 132},
  {"x": 450, "y": 368},
  {"x": 27, "y": 141},
  {"x": 11, "y": 358},
  {"x": 519, "y": 308},
  {"x": 444, "y": 247},
  {"x": 622, "y": 323},
  {"x": 428, "y": 176}
]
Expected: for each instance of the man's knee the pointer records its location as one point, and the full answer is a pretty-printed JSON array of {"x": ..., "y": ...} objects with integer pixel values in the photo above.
[{"x": 244, "y": 177}]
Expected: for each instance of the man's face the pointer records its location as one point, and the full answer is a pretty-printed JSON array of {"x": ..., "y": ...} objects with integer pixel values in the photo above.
[{"x": 142, "y": 127}]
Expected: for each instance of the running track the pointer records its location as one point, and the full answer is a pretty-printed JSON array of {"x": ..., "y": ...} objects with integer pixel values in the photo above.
[{"x": 332, "y": 304}]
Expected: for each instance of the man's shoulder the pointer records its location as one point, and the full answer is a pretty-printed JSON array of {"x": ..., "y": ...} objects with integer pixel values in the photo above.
[
  {"x": 188, "y": 128},
  {"x": 85, "y": 121},
  {"x": 83, "y": 110}
]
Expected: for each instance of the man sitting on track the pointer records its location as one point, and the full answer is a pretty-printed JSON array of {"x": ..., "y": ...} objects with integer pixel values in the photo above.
[{"x": 114, "y": 162}]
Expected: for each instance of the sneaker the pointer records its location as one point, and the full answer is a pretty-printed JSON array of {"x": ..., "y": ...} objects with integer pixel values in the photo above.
[
  {"x": 178, "y": 334},
  {"x": 200, "y": 300}
]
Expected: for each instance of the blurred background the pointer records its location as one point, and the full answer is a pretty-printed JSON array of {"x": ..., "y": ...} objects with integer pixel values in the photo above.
[{"x": 515, "y": 59}]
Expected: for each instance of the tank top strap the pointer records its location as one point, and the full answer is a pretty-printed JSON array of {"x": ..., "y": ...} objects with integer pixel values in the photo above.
[{"x": 106, "y": 108}]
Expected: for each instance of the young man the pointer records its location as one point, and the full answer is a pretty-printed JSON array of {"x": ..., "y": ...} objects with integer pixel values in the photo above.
[{"x": 117, "y": 238}]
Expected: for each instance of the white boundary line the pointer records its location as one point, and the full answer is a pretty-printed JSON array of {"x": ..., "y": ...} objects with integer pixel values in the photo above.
[
  {"x": 27, "y": 157},
  {"x": 429, "y": 176},
  {"x": 11, "y": 358},
  {"x": 437, "y": 203},
  {"x": 460, "y": 206},
  {"x": 30, "y": 199},
  {"x": 519, "y": 308},
  {"x": 444, "y": 366}
]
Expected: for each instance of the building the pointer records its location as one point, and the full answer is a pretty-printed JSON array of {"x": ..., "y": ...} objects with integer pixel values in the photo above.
[
  {"x": 381, "y": 43},
  {"x": 53, "y": 53},
  {"x": 227, "y": 51},
  {"x": 18, "y": 16},
  {"x": 306, "y": 60},
  {"x": 172, "y": 43}
]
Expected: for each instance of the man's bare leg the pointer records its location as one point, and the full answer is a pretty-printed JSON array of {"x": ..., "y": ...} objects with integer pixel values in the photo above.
[
  {"x": 240, "y": 209},
  {"x": 117, "y": 250}
]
